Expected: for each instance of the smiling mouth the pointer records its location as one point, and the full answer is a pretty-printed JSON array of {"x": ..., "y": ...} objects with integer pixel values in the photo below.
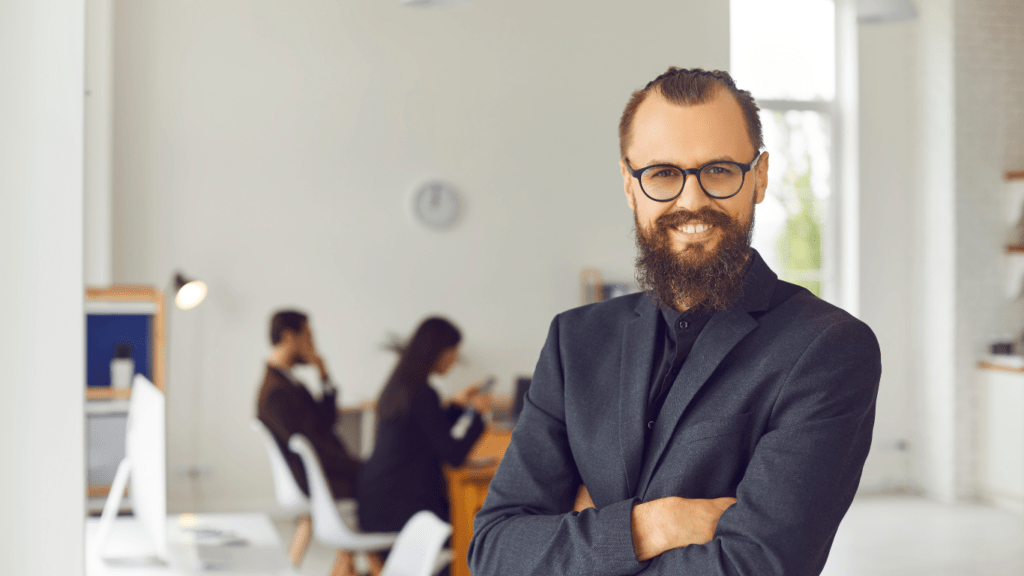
[{"x": 693, "y": 228}]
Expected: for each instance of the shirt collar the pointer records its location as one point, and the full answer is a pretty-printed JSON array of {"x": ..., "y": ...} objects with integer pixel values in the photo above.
[
  {"x": 286, "y": 373},
  {"x": 671, "y": 317}
]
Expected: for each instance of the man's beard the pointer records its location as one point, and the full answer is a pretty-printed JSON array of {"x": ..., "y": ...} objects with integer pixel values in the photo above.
[{"x": 695, "y": 277}]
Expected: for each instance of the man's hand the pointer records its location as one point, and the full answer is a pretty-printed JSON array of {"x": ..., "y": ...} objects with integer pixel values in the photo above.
[
  {"x": 309, "y": 354},
  {"x": 673, "y": 522},
  {"x": 471, "y": 396},
  {"x": 583, "y": 500}
]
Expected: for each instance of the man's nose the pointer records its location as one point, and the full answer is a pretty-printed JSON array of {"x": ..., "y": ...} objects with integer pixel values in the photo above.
[{"x": 692, "y": 197}]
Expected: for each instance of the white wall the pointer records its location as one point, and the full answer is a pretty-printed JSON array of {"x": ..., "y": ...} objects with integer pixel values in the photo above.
[
  {"x": 99, "y": 103},
  {"x": 42, "y": 342},
  {"x": 269, "y": 148},
  {"x": 941, "y": 95},
  {"x": 990, "y": 141}
]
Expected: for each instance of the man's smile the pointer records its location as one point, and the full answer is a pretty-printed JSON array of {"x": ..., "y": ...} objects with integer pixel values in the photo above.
[
  {"x": 690, "y": 233},
  {"x": 694, "y": 228}
]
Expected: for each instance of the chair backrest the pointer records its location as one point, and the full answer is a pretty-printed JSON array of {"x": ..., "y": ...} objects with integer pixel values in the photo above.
[
  {"x": 418, "y": 545},
  {"x": 286, "y": 490},
  {"x": 328, "y": 526}
]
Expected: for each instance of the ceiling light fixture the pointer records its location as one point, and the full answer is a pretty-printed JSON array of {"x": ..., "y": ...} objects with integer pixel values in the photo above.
[
  {"x": 435, "y": 3},
  {"x": 885, "y": 11}
]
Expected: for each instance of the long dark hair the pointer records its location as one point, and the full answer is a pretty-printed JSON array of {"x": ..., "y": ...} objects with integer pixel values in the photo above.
[{"x": 417, "y": 359}]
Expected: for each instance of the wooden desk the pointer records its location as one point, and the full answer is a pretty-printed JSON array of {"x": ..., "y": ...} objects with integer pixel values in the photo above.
[{"x": 467, "y": 488}]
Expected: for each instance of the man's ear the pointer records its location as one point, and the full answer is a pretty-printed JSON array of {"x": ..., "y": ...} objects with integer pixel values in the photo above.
[
  {"x": 627, "y": 182},
  {"x": 761, "y": 174}
]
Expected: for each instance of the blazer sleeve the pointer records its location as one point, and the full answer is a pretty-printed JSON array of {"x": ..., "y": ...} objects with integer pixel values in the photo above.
[
  {"x": 435, "y": 424},
  {"x": 527, "y": 525},
  {"x": 805, "y": 468}
]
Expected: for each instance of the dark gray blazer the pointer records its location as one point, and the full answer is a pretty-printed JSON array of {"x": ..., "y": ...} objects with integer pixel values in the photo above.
[{"x": 774, "y": 406}]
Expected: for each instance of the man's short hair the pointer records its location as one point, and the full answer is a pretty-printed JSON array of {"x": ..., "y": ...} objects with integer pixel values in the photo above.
[
  {"x": 286, "y": 320},
  {"x": 687, "y": 88}
]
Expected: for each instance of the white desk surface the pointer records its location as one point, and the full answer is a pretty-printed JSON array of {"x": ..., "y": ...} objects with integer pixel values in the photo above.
[{"x": 128, "y": 545}]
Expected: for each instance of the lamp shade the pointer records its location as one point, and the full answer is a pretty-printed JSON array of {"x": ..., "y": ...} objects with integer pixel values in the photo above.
[{"x": 188, "y": 293}]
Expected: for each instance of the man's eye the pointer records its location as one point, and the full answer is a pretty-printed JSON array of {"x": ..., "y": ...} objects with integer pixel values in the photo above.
[{"x": 719, "y": 170}]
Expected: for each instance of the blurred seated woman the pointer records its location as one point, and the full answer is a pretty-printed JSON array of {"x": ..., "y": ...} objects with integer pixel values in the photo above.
[{"x": 414, "y": 433}]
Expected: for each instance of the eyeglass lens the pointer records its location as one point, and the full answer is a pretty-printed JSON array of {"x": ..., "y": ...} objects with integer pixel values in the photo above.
[{"x": 665, "y": 182}]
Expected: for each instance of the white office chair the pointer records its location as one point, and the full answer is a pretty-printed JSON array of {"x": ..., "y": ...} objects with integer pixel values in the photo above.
[
  {"x": 418, "y": 549},
  {"x": 290, "y": 497},
  {"x": 286, "y": 489},
  {"x": 287, "y": 492},
  {"x": 329, "y": 526}
]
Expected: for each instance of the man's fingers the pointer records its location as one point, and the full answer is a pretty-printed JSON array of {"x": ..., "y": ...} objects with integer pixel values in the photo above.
[{"x": 723, "y": 503}]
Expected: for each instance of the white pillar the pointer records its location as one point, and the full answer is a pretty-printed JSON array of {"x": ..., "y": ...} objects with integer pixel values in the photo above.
[
  {"x": 846, "y": 141},
  {"x": 42, "y": 476},
  {"x": 935, "y": 316}
]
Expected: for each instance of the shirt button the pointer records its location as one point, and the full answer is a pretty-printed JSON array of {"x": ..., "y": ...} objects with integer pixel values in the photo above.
[
  {"x": 650, "y": 425},
  {"x": 684, "y": 324}
]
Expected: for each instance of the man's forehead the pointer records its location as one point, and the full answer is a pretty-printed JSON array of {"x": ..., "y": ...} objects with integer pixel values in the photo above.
[{"x": 683, "y": 133}]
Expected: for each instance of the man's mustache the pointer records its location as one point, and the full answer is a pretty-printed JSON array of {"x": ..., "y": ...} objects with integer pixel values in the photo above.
[{"x": 707, "y": 215}]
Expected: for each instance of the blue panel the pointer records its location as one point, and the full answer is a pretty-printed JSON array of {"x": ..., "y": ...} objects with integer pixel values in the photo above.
[{"x": 105, "y": 331}]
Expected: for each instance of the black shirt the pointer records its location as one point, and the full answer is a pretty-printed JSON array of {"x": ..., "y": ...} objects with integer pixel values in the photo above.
[{"x": 677, "y": 333}]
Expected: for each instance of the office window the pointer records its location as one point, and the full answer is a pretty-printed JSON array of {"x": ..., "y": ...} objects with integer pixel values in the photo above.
[{"x": 783, "y": 51}]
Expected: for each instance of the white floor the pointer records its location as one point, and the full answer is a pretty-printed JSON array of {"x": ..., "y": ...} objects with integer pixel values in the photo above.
[
  {"x": 881, "y": 536},
  {"x": 908, "y": 536}
]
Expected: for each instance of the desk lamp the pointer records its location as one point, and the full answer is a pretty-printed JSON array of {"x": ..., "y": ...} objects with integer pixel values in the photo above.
[{"x": 188, "y": 293}]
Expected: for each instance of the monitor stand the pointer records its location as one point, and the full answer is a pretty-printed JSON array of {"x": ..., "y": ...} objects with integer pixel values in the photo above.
[{"x": 110, "y": 512}]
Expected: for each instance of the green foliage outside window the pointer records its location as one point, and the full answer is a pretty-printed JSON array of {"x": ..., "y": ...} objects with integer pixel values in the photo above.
[{"x": 800, "y": 245}]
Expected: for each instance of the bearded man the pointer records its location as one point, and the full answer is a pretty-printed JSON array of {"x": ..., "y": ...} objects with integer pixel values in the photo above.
[{"x": 717, "y": 422}]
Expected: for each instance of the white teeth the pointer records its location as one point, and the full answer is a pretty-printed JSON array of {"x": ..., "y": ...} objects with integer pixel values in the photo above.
[{"x": 694, "y": 228}]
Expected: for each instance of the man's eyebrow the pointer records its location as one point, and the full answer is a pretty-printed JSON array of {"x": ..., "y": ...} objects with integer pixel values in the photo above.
[{"x": 723, "y": 158}]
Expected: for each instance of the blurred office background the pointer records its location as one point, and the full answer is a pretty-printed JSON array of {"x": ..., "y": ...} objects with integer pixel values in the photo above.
[{"x": 272, "y": 149}]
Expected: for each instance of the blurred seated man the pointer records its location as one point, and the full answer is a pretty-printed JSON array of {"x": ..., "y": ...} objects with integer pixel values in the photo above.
[{"x": 286, "y": 407}]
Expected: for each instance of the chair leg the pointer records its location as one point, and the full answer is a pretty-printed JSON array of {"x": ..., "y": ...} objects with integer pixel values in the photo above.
[
  {"x": 344, "y": 565},
  {"x": 376, "y": 564},
  {"x": 300, "y": 541}
]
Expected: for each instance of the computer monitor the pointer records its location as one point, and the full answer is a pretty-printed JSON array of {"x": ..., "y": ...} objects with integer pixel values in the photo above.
[{"x": 145, "y": 463}]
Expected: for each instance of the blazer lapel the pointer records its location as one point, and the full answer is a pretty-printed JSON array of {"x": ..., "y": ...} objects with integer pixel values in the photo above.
[
  {"x": 723, "y": 332},
  {"x": 634, "y": 383}
]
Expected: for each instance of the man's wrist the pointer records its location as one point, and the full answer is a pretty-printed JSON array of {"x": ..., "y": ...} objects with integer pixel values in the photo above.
[{"x": 648, "y": 539}]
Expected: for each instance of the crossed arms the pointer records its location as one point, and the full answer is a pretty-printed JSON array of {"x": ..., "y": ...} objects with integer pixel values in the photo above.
[
  {"x": 791, "y": 492},
  {"x": 666, "y": 523}
]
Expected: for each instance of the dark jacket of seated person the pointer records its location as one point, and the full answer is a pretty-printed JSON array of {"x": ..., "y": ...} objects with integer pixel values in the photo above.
[
  {"x": 286, "y": 407},
  {"x": 415, "y": 434}
]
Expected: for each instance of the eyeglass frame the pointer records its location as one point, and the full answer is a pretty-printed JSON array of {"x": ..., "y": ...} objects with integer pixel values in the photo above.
[{"x": 696, "y": 171}]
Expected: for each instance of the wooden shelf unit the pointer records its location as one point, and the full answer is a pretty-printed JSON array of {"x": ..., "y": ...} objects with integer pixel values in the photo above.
[
  {"x": 142, "y": 294},
  {"x": 129, "y": 294}
]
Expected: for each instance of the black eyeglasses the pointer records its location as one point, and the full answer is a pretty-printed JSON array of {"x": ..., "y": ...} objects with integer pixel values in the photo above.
[{"x": 664, "y": 182}]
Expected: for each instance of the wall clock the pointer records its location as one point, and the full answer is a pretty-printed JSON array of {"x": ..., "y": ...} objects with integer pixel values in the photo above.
[{"x": 435, "y": 204}]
